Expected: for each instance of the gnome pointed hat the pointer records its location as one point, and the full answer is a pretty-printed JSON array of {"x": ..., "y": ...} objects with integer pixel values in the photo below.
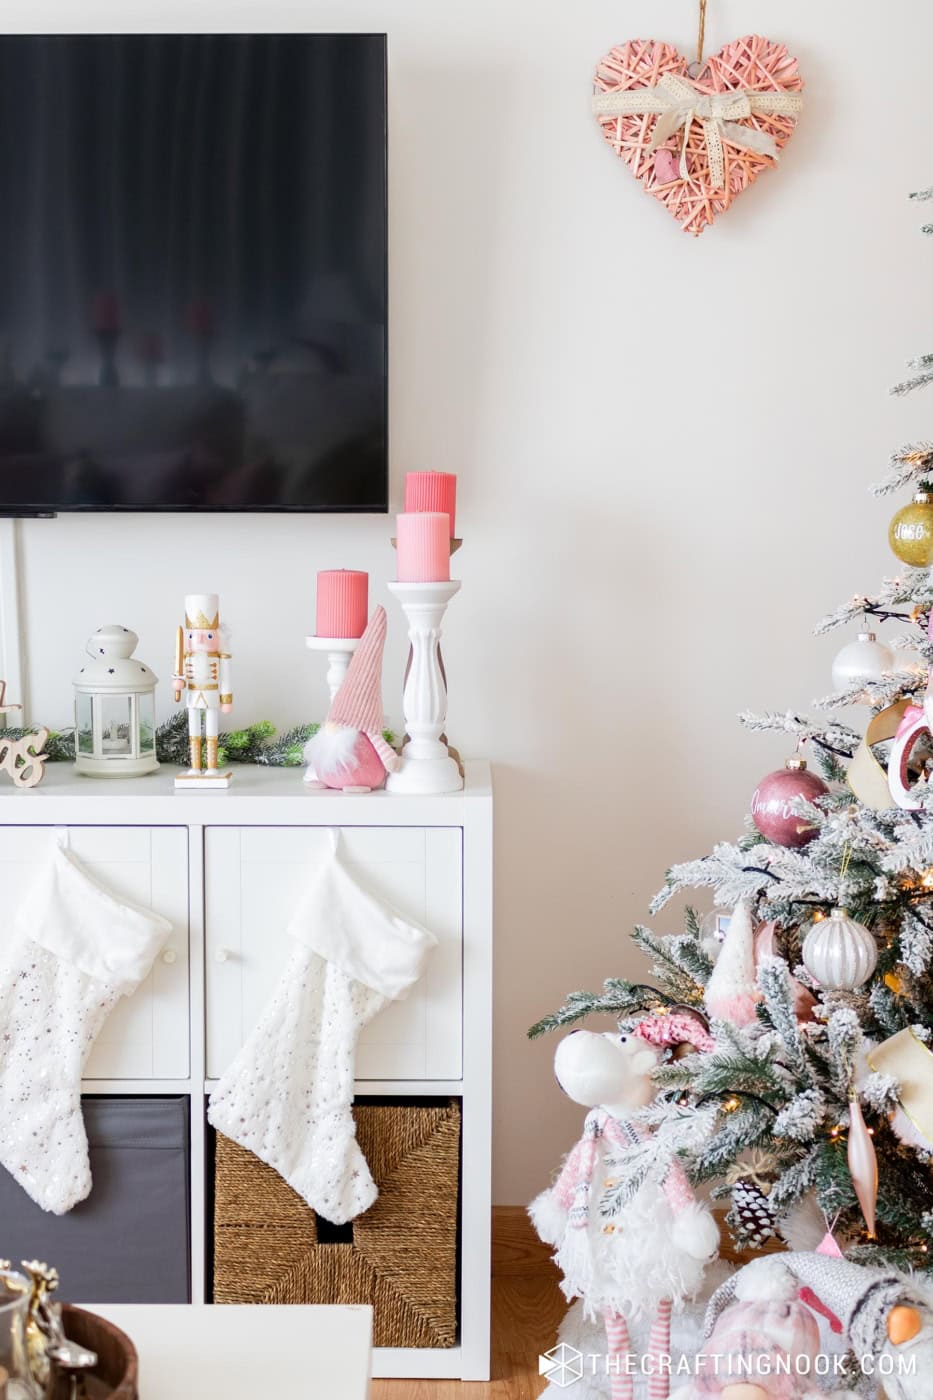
[
  {"x": 732, "y": 990},
  {"x": 358, "y": 702}
]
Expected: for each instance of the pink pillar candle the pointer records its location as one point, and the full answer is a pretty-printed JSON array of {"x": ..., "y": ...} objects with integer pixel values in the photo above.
[
  {"x": 423, "y": 545},
  {"x": 432, "y": 491},
  {"x": 342, "y": 603}
]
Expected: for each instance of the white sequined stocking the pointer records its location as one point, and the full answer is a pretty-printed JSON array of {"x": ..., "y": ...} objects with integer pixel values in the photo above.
[
  {"x": 288, "y": 1095},
  {"x": 74, "y": 950}
]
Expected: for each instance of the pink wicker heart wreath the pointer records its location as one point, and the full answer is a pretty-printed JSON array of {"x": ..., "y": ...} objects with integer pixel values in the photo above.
[{"x": 697, "y": 143}]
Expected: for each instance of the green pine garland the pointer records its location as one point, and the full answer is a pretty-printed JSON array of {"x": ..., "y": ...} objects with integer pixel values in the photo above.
[{"x": 258, "y": 743}]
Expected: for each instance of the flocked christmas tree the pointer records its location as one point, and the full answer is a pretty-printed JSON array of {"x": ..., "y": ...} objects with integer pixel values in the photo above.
[{"x": 817, "y": 1101}]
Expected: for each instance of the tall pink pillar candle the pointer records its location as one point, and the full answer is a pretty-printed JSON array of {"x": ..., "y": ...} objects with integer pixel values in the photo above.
[
  {"x": 423, "y": 547},
  {"x": 432, "y": 491},
  {"x": 342, "y": 603}
]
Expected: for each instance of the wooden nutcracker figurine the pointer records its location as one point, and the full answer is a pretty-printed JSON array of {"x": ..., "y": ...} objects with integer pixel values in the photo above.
[{"x": 203, "y": 671}]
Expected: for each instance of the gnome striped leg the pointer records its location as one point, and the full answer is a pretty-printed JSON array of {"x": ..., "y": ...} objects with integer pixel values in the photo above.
[
  {"x": 621, "y": 1379},
  {"x": 659, "y": 1350}
]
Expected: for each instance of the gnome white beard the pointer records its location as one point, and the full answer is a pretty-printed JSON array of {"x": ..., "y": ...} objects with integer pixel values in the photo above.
[
  {"x": 332, "y": 749},
  {"x": 288, "y": 1095},
  {"x": 75, "y": 951}
]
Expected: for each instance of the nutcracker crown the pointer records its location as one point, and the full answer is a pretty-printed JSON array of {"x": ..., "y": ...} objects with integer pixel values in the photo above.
[{"x": 202, "y": 610}]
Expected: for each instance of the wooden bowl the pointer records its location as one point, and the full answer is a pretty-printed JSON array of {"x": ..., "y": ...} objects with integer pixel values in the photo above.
[{"x": 117, "y": 1370}]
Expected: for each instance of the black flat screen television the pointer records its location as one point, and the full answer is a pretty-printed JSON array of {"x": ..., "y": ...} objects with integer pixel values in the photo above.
[{"x": 193, "y": 273}]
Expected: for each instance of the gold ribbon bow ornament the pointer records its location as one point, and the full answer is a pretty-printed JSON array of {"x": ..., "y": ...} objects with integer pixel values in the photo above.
[{"x": 679, "y": 104}]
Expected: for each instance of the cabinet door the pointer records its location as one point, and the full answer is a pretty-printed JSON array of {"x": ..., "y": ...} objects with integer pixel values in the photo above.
[
  {"x": 146, "y": 1036},
  {"x": 254, "y": 878}
]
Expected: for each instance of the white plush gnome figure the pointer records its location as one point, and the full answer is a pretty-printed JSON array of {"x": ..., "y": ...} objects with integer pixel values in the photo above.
[
  {"x": 287, "y": 1096},
  {"x": 75, "y": 950},
  {"x": 348, "y": 751},
  {"x": 732, "y": 991}
]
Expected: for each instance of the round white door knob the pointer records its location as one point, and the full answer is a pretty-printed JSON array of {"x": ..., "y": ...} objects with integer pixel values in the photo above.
[
  {"x": 170, "y": 956},
  {"x": 222, "y": 955}
]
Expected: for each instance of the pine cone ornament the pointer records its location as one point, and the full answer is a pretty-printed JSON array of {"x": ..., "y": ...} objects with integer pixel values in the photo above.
[{"x": 752, "y": 1218}]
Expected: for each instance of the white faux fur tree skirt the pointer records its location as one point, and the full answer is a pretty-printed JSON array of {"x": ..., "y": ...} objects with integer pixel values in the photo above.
[{"x": 590, "y": 1338}]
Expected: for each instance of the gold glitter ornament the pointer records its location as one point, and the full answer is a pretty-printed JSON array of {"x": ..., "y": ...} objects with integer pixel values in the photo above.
[{"x": 910, "y": 533}]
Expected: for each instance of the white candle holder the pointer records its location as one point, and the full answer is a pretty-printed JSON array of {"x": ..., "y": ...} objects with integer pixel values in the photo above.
[
  {"x": 427, "y": 766},
  {"x": 339, "y": 650}
]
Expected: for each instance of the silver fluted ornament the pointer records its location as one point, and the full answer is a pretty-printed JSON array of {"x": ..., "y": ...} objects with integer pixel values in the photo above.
[{"x": 840, "y": 952}]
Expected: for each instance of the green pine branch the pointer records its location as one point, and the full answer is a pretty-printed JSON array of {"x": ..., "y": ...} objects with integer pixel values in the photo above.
[{"x": 618, "y": 998}]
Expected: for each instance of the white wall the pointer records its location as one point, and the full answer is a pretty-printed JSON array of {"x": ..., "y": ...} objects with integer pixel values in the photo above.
[{"x": 662, "y": 443}]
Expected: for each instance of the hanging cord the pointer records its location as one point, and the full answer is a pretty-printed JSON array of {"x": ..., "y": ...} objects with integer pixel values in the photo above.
[
  {"x": 701, "y": 33},
  {"x": 843, "y": 870}
]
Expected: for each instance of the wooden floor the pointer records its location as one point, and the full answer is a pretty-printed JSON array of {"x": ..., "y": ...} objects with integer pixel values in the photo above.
[{"x": 527, "y": 1307}]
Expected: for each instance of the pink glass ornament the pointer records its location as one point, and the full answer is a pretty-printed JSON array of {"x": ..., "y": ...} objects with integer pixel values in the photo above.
[
  {"x": 863, "y": 1164},
  {"x": 772, "y": 799},
  {"x": 766, "y": 946},
  {"x": 766, "y": 941}
]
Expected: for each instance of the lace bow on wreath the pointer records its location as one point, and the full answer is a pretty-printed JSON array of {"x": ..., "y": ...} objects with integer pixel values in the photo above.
[{"x": 678, "y": 104}]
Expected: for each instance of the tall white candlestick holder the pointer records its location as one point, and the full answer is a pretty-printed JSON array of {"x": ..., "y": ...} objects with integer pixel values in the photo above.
[
  {"x": 427, "y": 766},
  {"x": 339, "y": 650}
]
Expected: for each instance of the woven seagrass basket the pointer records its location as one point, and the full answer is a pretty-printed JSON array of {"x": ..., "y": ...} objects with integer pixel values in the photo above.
[{"x": 400, "y": 1255}]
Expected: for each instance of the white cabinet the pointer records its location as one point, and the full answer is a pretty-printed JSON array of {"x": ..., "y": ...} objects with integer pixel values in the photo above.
[
  {"x": 146, "y": 1037},
  {"x": 254, "y": 878},
  {"x": 228, "y": 868}
]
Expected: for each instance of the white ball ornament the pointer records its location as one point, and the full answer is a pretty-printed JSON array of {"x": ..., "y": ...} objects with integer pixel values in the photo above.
[
  {"x": 865, "y": 659},
  {"x": 840, "y": 952}
]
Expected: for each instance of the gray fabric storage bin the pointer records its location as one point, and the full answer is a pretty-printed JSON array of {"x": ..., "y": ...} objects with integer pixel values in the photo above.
[{"x": 129, "y": 1242}]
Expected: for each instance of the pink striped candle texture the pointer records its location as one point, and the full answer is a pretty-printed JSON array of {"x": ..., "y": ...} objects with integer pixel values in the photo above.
[
  {"x": 432, "y": 491},
  {"x": 423, "y": 547},
  {"x": 342, "y": 603}
]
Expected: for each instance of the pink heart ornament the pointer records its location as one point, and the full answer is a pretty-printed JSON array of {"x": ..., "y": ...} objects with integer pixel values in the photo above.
[{"x": 751, "y": 65}]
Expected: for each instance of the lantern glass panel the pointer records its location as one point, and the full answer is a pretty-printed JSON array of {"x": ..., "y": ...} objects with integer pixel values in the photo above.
[
  {"x": 116, "y": 730},
  {"x": 147, "y": 724},
  {"x": 85, "y": 719}
]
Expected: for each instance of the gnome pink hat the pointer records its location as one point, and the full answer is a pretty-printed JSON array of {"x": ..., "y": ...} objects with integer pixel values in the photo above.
[{"x": 358, "y": 702}]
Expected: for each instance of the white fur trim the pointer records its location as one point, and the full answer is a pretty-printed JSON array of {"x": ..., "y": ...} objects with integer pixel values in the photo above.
[
  {"x": 765, "y": 1281},
  {"x": 75, "y": 917},
  {"x": 363, "y": 936},
  {"x": 695, "y": 1231},
  {"x": 548, "y": 1218},
  {"x": 332, "y": 749}
]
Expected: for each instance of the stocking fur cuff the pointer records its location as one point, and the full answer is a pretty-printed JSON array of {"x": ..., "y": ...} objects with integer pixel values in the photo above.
[
  {"x": 361, "y": 935},
  {"x": 72, "y": 915}
]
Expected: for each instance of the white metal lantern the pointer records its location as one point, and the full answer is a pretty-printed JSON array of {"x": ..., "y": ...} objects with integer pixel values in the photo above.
[{"x": 114, "y": 708}]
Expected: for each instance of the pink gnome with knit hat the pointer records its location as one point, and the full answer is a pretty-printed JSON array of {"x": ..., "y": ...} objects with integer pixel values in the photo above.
[
  {"x": 629, "y": 1235},
  {"x": 765, "y": 1345},
  {"x": 348, "y": 751}
]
